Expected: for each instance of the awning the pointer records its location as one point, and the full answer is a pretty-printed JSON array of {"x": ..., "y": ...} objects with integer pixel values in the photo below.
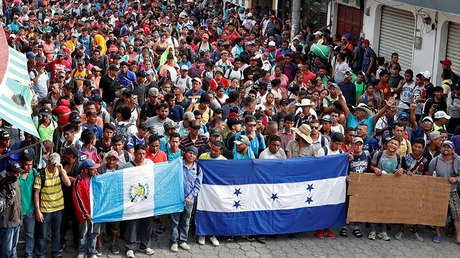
[
  {"x": 15, "y": 94},
  {"x": 447, "y": 6}
]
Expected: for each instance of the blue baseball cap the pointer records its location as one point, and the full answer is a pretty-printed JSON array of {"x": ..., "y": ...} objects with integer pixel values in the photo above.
[
  {"x": 30, "y": 54},
  {"x": 403, "y": 115},
  {"x": 88, "y": 164}
]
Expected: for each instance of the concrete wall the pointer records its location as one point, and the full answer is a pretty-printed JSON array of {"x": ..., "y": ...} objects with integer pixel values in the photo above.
[{"x": 434, "y": 41}]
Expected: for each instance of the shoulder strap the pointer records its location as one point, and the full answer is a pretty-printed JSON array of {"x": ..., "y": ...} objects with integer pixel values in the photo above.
[
  {"x": 379, "y": 156},
  {"x": 323, "y": 141},
  {"x": 42, "y": 174},
  {"x": 126, "y": 156},
  {"x": 398, "y": 158},
  {"x": 326, "y": 151}
]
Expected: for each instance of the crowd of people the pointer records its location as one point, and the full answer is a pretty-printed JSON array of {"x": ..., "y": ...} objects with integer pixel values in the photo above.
[{"x": 118, "y": 84}]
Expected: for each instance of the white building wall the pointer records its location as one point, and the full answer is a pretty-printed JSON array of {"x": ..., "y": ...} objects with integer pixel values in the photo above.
[{"x": 434, "y": 41}]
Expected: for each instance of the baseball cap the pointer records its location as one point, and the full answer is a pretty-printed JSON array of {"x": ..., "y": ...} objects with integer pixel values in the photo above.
[
  {"x": 426, "y": 74},
  {"x": 189, "y": 116},
  {"x": 357, "y": 139},
  {"x": 41, "y": 63},
  {"x": 271, "y": 44},
  {"x": 114, "y": 67},
  {"x": 435, "y": 135},
  {"x": 153, "y": 92},
  {"x": 168, "y": 125},
  {"x": 448, "y": 143},
  {"x": 214, "y": 132},
  {"x": 45, "y": 111},
  {"x": 196, "y": 79},
  {"x": 242, "y": 139},
  {"x": 446, "y": 62},
  {"x": 89, "y": 164},
  {"x": 441, "y": 114},
  {"x": 184, "y": 67},
  {"x": 284, "y": 102},
  {"x": 30, "y": 54},
  {"x": 403, "y": 115},
  {"x": 75, "y": 118},
  {"x": 55, "y": 159},
  {"x": 14, "y": 167},
  {"x": 427, "y": 118},
  {"x": 111, "y": 153},
  {"x": 327, "y": 118}
]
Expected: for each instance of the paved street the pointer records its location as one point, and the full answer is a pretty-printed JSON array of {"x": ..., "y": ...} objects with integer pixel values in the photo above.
[{"x": 306, "y": 245}]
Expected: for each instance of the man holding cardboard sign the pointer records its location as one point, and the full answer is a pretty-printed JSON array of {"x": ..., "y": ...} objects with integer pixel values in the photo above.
[{"x": 447, "y": 165}]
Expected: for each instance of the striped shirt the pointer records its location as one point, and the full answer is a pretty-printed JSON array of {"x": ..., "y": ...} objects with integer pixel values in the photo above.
[
  {"x": 51, "y": 197},
  {"x": 186, "y": 141}
]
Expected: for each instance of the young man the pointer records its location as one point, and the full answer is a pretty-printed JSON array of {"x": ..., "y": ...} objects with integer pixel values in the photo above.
[
  {"x": 389, "y": 162},
  {"x": 81, "y": 198},
  {"x": 138, "y": 230},
  {"x": 274, "y": 150},
  {"x": 447, "y": 165},
  {"x": 414, "y": 164},
  {"x": 49, "y": 204},
  {"x": 153, "y": 151},
  {"x": 192, "y": 184},
  {"x": 26, "y": 181},
  {"x": 359, "y": 163},
  {"x": 172, "y": 149}
]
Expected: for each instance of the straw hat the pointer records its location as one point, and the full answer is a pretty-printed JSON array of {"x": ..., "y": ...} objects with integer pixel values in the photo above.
[
  {"x": 304, "y": 103},
  {"x": 304, "y": 132}
]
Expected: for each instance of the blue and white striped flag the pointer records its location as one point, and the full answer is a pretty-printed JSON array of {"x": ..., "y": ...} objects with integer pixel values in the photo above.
[
  {"x": 252, "y": 197},
  {"x": 15, "y": 94},
  {"x": 138, "y": 192}
]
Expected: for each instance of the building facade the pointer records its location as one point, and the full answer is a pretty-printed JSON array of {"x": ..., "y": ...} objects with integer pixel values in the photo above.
[{"x": 422, "y": 32}]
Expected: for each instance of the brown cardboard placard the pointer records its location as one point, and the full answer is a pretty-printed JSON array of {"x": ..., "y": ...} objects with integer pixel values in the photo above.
[{"x": 398, "y": 199}]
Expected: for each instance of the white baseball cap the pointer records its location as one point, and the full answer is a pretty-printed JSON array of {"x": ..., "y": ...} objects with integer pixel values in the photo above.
[
  {"x": 426, "y": 74},
  {"x": 441, "y": 114},
  {"x": 271, "y": 44}
]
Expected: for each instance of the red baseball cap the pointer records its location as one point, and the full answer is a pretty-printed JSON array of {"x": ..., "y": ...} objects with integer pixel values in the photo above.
[{"x": 446, "y": 62}]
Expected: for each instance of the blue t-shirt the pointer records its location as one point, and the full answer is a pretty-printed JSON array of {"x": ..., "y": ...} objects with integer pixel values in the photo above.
[
  {"x": 95, "y": 128},
  {"x": 353, "y": 122},
  {"x": 359, "y": 164},
  {"x": 257, "y": 143}
]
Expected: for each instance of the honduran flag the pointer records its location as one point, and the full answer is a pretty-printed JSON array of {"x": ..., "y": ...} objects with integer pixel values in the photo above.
[
  {"x": 251, "y": 197},
  {"x": 138, "y": 192}
]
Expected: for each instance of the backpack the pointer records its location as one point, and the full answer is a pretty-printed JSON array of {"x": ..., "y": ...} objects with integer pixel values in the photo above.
[
  {"x": 122, "y": 130},
  {"x": 42, "y": 174},
  {"x": 326, "y": 150}
]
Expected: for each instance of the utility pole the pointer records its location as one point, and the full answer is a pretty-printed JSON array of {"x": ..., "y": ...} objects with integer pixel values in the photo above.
[{"x": 295, "y": 20}]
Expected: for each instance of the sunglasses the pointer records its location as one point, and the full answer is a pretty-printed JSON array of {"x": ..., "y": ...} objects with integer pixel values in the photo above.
[{"x": 315, "y": 127}]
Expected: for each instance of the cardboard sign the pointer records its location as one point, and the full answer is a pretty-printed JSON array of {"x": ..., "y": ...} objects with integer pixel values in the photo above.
[{"x": 398, "y": 199}]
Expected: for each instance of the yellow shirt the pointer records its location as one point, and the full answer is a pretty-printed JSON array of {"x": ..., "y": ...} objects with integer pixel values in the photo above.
[
  {"x": 405, "y": 148},
  {"x": 51, "y": 197},
  {"x": 71, "y": 45},
  {"x": 100, "y": 40},
  {"x": 207, "y": 155},
  {"x": 79, "y": 77},
  {"x": 206, "y": 115}
]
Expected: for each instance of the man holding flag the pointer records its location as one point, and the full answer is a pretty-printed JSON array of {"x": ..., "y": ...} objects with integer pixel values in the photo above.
[
  {"x": 81, "y": 198},
  {"x": 144, "y": 225},
  {"x": 180, "y": 221}
]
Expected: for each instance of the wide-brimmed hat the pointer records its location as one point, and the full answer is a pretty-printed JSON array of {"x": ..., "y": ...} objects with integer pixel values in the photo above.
[
  {"x": 365, "y": 108},
  {"x": 304, "y": 103},
  {"x": 304, "y": 132}
]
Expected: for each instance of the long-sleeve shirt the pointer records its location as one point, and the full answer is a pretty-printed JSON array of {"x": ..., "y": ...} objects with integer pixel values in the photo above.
[
  {"x": 81, "y": 198},
  {"x": 192, "y": 181}
]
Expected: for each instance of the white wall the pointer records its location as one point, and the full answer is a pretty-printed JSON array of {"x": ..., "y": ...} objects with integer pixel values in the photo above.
[{"x": 433, "y": 41}]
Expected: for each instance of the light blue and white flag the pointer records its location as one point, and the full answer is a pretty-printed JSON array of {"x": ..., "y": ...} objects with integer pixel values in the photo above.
[
  {"x": 15, "y": 94},
  {"x": 138, "y": 192},
  {"x": 251, "y": 197}
]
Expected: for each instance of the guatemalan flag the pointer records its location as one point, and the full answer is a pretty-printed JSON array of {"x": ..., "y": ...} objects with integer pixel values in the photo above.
[
  {"x": 138, "y": 192},
  {"x": 251, "y": 197}
]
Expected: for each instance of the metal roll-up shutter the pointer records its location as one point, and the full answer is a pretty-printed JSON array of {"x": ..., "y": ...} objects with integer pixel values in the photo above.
[
  {"x": 453, "y": 46},
  {"x": 397, "y": 29}
]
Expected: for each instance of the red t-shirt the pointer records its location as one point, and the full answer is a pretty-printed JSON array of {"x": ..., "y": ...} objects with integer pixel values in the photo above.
[
  {"x": 159, "y": 157},
  {"x": 308, "y": 76},
  {"x": 385, "y": 89},
  {"x": 214, "y": 83},
  {"x": 56, "y": 66}
]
